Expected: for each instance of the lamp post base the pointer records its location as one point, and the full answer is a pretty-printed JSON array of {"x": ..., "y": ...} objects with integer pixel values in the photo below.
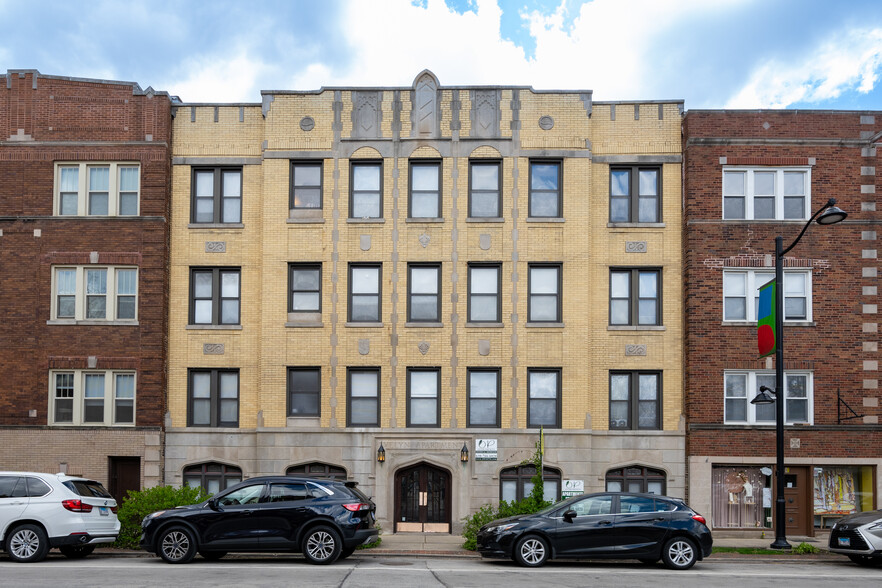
[{"x": 780, "y": 543}]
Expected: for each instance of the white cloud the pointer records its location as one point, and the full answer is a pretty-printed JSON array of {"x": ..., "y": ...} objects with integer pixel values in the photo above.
[{"x": 219, "y": 79}]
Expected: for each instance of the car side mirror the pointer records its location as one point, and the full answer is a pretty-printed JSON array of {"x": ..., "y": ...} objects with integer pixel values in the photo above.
[
  {"x": 569, "y": 515},
  {"x": 213, "y": 504}
]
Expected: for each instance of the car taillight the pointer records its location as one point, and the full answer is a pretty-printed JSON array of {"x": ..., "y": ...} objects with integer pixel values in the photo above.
[
  {"x": 357, "y": 506},
  {"x": 700, "y": 519},
  {"x": 113, "y": 509},
  {"x": 76, "y": 505}
]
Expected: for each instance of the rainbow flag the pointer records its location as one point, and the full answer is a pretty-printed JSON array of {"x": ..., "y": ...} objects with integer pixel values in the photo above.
[{"x": 765, "y": 328}]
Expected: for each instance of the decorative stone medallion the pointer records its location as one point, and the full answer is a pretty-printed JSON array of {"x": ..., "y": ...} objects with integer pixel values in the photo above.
[
  {"x": 484, "y": 242},
  {"x": 212, "y": 349},
  {"x": 423, "y": 347},
  {"x": 635, "y": 349},
  {"x": 307, "y": 123},
  {"x": 546, "y": 123},
  {"x": 424, "y": 240},
  {"x": 635, "y": 247},
  {"x": 215, "y": 246},
  {"x": 364, "y": 346}
]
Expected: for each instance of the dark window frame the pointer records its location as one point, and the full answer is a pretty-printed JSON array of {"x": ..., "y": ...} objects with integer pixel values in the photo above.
[
  {"x": 214, "y": 398},
  {"x": 216, "y": 298},
  {"x": 306, "y": 266},
  {"x": 646, "y": 475},
  {"x": 379, "y": 294},
  {"x": 217, "y": 196},
  {"x": 349, "y": 372},
  {"x": 525, "y": 473},
  {"x": 353, "y": 193},
  {"x": 486, "y": 265},
  {"x": 633, "y": 197},
  {"x": 295, "y": 163},
  {"x": 424, "y": 163},
  {"x": 634, "y": 296},
  {"x": 498, "y": 372},
  {"x": 317, "y": 392},
  {"x": 437, "y": 294},
  {"x": 558, "y": 296},
  {"x": 558, "y": 400},
  {"x": 308, "y": 470},
  {"x": 634, "y": 400},
  {"x": 559, "y": 191},
  {"x": 437, "y": 372},
  {"x": 472, "y": 191},
  {"x": 227, "y": 476}
]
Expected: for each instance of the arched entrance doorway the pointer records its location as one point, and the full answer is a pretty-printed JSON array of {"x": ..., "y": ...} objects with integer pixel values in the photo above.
[{"x": 422, "y": 499}]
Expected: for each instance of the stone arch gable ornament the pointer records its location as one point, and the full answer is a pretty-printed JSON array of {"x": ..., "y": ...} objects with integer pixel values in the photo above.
[{"x": 425, "y": 117}]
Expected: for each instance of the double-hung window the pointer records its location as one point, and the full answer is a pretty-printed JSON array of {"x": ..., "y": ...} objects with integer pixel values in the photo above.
[
  {"x": 741, "y": 294},
  {"x": 544, "y": 397},
  {"x": 545, "y": 189},
  {"x": 304, "y": 391},
  {"x": 635, "y": 400},
  {"x": 363, "y": 397},
  {"x": 306, "y": 185},
  {"x": 305, "y": 293},
  {"x": 423, "y": 397},
  {"x": 366, "y": 195},
  {"x": 484, "y": 298},
  {"x": 545, "y": 288},
  {"x": 485, "y": 193},
  {"x": 90, "y": 397},
  {"x": 217, "y": 195},
  {"x": 99, "y": 293},
  {"x": 425, "y": 189},
  {"x": 215, "y": 296},
  {"x": 766, "y": 193},
  {"x": 97, "y": 189},
  {"x": 742, "y": 386},
  {"x": 634, "y": 194},
  {"x": 364, "y": 292},
  {"x": 424, "y": 292},
  {"x": 634, "y": 297},
  {"x": 213, "y": 398},
  {"x": 483, "y": 389}
]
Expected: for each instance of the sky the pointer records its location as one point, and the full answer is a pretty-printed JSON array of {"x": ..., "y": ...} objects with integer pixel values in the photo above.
[{"x": 746, "y": 54}]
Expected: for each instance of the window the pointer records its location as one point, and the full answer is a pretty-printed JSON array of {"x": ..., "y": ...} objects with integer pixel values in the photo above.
[
  {"x": 425, "y": 189},
  {"x": 545, "y": 287},
  {"x": 634, "y": 194},
  {"x": 212, "y": 477},
  {"x": 304, "y": 391},
  {"x": 483, "y": 386},
  {"x": 366, "y": 196},
  {"x": 89, "y": 397},
  {"x": 424, "y": 293},
  {"x": 288, "y": 492},
  {"x": 543, "y": 390},
  {"x": 364, "y": 293},
  {"x": 545, "y": 193},
  {"x": 317, "y": 470},
  {"x": 423, "y": 399},
  {"x": 636, "y": 479},
  {"x": 306, "y": 287},
  {"x": 738, "y": 306},
  {"x": 766, "y": 193},
  {"x": 217, "y": 195},
  {"x": 484, "y": 191},
  {"x": 306, "y": 185},
  {"x": 517, "y": 483},
  {"x": 593, "y": 505},
  {"x": 95, "y": 293},
  {"x": 214, "y": 296},
  {"x": 363, "y": 397},
  {"x": 484, "y": 299},
  {"x": 635, "y": 400},
  {"x": 213, "y": 398},
  {"x": 635, "y": 297},
  {"x": 90, "y": 189},
  {"x": 742, "y": 387}
]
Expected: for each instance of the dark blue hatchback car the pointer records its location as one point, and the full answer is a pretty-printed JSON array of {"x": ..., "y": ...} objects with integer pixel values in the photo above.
[
  {"x": 608, "y": 525},
  {"x": 324, "y": 519}
]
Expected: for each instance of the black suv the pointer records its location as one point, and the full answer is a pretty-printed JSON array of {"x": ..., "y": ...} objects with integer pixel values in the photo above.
[{"x": 324, "y": 519}]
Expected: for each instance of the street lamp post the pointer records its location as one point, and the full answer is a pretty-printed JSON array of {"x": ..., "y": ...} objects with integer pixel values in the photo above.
[{"x": 832, "y": 215}]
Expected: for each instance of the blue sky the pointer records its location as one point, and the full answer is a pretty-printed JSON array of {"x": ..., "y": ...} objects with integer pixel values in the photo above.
[{"x": 710, "y": 53}]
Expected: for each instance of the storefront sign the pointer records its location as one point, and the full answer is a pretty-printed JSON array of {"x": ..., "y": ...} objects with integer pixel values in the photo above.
[
  {"x": 572, "y": 488},
  {"x": 486, "y": 449}
]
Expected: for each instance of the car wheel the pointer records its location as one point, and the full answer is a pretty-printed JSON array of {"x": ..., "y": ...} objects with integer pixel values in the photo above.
[
  {"x": 322, "y": 545},
  {"x": 344, "y": 553},
  {"x": 531, "y": 551},
  {"x": 679, "y": 553},
  {"x": 866, "y": 560},
  {"x": 176, "y": 545},
  {"x": 76, "y": 551},
  {"x": 212, "y": 555},
  {"x": 27, "y": 543}
]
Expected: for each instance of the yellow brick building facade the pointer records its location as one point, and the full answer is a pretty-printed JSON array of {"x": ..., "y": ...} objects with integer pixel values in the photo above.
[{"x": 493, "y": 290}]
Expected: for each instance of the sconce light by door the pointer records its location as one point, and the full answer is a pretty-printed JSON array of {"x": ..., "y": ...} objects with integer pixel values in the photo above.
[
  {"x": 464, "y": 453},
  {"x": 381, "y": 454}
]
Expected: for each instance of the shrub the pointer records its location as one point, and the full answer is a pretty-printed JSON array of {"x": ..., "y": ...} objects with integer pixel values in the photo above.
[
  {"x": 137, "y": 505},
  {"x": 805, "y": 548}
]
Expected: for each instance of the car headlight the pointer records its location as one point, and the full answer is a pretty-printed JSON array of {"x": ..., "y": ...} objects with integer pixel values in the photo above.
[
  {"x": 501, "y": 528},
  {"x": 151, "y": 516},
  {"x": 875, "y": 526}
]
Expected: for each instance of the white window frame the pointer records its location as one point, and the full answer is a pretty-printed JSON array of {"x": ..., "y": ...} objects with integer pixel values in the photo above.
[
  {"x": 752, "y": 285},
  {"x": 749, "y": 191},
  {"x": 113, "y": 195},
  {"x": 112, "y": 294},
  {"x": 79, "y": 391},
  {"x": 752, "y": 389}
]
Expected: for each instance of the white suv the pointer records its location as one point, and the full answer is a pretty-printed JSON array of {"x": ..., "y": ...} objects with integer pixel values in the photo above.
[{"x": 42, "y": 511}]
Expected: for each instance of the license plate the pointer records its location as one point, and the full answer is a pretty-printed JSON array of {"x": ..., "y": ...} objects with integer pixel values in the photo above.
[
  {"x": 104, "y": 511},
  {"x": 845, "y": 542}
]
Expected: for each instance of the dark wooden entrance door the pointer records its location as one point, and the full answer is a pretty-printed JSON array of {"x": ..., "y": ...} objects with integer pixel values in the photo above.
[
  {"x": 422, "y": 499},
  {"x": 796, "y": 500},
  {"x": 124, "y": 475}
]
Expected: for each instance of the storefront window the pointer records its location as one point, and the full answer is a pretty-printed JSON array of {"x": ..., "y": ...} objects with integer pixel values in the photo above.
[
  {"x": 840, "y": 491},
  {"x": 742, "y": 497}
]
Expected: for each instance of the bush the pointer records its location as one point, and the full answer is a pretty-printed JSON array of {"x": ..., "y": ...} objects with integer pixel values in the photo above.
[
  {"x": 487, "y": 513},
  {"x": 805, "y": 548},
  {"x": 137, "y": 505}
]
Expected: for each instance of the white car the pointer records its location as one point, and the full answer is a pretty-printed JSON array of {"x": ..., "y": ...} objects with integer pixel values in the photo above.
[
  {"x": 42, "y": 511},
  {"x": 859, "y": 536}
]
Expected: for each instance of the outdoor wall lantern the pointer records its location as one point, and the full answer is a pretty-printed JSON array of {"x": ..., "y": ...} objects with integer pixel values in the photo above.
[
  {"x": 464, "y": 453},
  {"x": 381, "y": 454}
]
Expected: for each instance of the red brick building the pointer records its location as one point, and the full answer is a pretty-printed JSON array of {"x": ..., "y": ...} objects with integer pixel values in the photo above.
[
  {"x": 750, "y": 176},
  {"x": 84, "y": 186}
]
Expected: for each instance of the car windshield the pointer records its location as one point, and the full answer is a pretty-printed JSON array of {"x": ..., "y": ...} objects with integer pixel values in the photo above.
[{"x": 88, "y": 488}]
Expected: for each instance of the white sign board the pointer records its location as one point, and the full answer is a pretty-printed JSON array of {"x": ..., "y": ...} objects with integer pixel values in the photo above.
[
  {"x": 572, "y": 488},
  {"x": 486, "y": 449}
]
